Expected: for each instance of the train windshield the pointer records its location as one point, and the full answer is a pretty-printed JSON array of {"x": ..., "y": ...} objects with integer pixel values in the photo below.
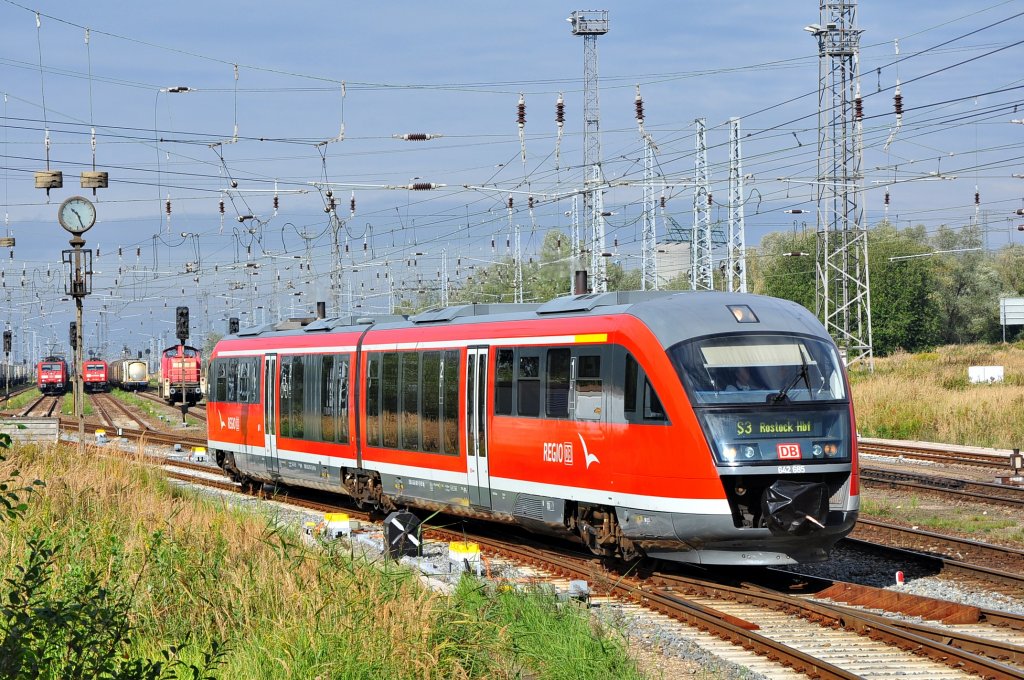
[
  {"x": 51, "y": 367},
  {"x": 94, "y": 367},
  {"x": 748, "y": 369}
]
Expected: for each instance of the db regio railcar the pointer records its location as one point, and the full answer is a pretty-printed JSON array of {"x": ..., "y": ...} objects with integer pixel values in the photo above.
[
  {"x": 129, "y": 374},
  {"x": 713, "y": 428},
  {"x": 181, "y": 377}
]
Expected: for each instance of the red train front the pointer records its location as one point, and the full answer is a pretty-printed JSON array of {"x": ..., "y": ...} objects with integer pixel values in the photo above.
[
  {"x": 94, "y": 376},
  {"x": 52, "y": 376},
  {"x": 701, "y": 427},
  {"x": 181, "y": 369}
]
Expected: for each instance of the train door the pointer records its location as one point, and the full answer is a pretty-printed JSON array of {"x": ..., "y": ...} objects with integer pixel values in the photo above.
[
  {"x": 476, "y": 427},
  {"x": 270, "y": 415}
]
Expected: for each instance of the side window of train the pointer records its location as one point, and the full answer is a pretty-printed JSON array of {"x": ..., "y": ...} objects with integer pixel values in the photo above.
[
  {"x": 373, "y": 366},
  {"x": 640, "y": 403},
  {"x": 503, "y": 383},
  {"x": 285, "y": 396},
  {"x": 244, "y": 381},
  {"x": 232, "y": 388},
  {"x": 557, "y": 373},
  {"x": 588, "y": 401},
  {"x": 528, "y": 383},
  {"x": 298, "y": 401},
  {"x": 220, "y": 380}
]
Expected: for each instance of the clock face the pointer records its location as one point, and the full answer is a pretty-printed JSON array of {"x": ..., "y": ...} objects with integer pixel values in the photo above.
[{"x": 77, "y": 214}]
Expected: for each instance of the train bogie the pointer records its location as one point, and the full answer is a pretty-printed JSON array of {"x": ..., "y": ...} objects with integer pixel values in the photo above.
[{"x": 711, "y": 428}]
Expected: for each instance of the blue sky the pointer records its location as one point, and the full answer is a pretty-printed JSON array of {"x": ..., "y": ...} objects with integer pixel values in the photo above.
[{"x": 455, "y": 69}]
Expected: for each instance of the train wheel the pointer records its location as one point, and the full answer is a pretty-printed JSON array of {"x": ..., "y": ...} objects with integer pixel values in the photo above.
[{"x": 253, "y": 487}]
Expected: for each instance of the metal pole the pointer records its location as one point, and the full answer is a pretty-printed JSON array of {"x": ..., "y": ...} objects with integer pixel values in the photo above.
[{"x": 79, "y": 287}]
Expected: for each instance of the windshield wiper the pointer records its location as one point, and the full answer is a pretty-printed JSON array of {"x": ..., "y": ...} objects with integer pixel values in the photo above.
[{"x": 802, "y": 372}]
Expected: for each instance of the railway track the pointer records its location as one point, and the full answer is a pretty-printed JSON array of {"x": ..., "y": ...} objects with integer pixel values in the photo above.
[
  {"x": 970, "y": 490},
  {"x": 197, "y": 411},
  {"x": 42, "y": 407},
  {"x": 111, "y": 408},
  {"x": 937, "y": 453},
  {"x": 811, "y": 634}
]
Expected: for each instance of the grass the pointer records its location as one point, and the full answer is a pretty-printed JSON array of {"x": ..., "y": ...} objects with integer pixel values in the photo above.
[
  {"x": 928, "y": 397},
  {"x": 196, "y": 573},
  {"x": 146, "y": 406},
  {"x": 22, "y": 400}
]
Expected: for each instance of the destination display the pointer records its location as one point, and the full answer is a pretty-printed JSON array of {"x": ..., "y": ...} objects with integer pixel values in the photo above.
[{"x": 771, "y": 427}]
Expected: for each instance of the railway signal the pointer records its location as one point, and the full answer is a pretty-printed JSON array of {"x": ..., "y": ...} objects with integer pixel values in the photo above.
[{"x": 181, "y": 323}]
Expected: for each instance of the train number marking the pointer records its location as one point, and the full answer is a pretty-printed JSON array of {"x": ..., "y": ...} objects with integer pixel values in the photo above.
[{"x": 788, "y": 451}]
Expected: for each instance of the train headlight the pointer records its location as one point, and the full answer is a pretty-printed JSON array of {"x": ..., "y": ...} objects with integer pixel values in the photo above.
[
  {"x": 826, "y": 449},
  {"x": 729, "y": 453}
]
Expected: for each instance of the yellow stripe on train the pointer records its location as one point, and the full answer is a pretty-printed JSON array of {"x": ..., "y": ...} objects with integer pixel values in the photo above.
[{"x": 592, "y": 337}]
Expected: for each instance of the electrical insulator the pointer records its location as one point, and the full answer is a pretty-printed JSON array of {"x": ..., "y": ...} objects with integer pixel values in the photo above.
[
  {"x": 276, "y": 203},
  {"x": 417, "y": 136},
  {"x": 887, "y": 198},
  {"x": 531, "y": 203},
  {"x": 558, "y": 243},
  {"x": 167, "y": 207},
  {"x": 508, "y": 243},
  {"x": 364, "y": 245},
  {"x": 521, "y": 109},
  {"x": 346, "y": 248},
  {"x": 616, "y": 243},
  {"x": 1020, "y": 211},
  {"x": 662, "y": 201},
  {"x": 560, "y": 110},
  {"x": 333, "y": 204},
  {"x": 421, "y": 186},
  {"x": 977, "y": 198},
  {"x": 858, "y": 108},
  {"x": 138, "y": 252},
  {"x": 329, "y": 193},
  {"x": 709, "y": 198},
  {"x": 897, "y": 101},
  {"x": 352, "y": 204},
  {"x": 97, "y": 251},
  {"x": 119, "y": 251},
  {"x": 492, "y": 244},
  {"x": 639, "y": 104},
  {"x": 509, "y": 202}
]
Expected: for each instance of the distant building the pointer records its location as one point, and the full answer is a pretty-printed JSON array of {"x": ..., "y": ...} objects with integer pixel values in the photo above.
[{"x": 673, "y": 261}]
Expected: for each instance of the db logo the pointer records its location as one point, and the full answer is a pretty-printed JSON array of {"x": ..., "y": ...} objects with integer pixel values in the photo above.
[{"x": 788, "y": 451}]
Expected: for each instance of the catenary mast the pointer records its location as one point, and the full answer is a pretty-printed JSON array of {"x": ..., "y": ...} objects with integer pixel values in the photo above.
[{"x": 842, "y": 292}]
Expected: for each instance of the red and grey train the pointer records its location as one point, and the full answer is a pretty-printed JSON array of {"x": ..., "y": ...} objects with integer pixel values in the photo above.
[{"x": 714, "y": 428}]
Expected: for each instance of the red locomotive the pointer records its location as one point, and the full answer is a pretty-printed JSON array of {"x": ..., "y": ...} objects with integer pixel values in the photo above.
[
  {"x": 52, "y": 376},
  {"x": 94, "y": 376},
  {"x": 702, "y": 427},
  {"x": 181, "y": 369}
]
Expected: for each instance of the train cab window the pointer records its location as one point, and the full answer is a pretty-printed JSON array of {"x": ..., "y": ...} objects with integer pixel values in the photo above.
[
  {"x": 528, "y": 383},
  {"x": 588, "y": 393},
  {"x": 640, "y": 403},
  {"x": 503, "y": 384},
  {"x": 556, "y": 394},
  {"x": 653, "y": 409}
]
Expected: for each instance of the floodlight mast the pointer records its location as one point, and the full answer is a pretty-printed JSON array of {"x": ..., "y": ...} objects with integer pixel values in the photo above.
[{"x": 590, "y": 24}]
